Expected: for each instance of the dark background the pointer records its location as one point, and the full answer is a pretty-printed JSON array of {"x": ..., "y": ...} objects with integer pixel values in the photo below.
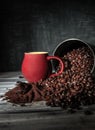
[{"x": 40, "y": 26}]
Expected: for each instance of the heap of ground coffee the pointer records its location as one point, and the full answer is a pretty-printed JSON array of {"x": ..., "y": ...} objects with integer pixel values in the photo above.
[
  {"x": 24, "y": 93},
  {"x": 74, "y": 87}
]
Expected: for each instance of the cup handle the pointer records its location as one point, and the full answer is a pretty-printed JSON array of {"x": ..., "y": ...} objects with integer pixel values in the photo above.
[{"x": 60, "y": 61}]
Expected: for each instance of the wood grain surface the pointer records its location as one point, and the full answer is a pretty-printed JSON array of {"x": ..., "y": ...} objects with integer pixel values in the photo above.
[{"x": 37, "y": 116}]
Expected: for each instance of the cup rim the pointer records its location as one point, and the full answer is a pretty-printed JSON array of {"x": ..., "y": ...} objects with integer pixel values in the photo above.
[{"x": 36, "y": 52}]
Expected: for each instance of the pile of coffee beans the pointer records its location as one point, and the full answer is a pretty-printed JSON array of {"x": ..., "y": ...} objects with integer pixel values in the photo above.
[{"x": 75, "y": 86}]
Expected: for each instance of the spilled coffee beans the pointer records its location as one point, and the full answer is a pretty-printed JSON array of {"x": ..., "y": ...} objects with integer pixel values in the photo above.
[{"x": 73, "y": 88}]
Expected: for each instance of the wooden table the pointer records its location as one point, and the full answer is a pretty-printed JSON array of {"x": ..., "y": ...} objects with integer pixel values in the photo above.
[{"x": 38, "y": 116}]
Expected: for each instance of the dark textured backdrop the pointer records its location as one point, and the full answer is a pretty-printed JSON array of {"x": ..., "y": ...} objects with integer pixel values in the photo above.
[{"x": 40, "y": 26}]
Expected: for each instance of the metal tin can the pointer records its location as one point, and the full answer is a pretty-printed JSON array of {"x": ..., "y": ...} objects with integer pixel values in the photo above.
[{"x": 73, "y": 43}]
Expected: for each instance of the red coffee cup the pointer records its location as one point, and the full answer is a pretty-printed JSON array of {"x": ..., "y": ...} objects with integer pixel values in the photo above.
[{"x": 37, "y": 66}]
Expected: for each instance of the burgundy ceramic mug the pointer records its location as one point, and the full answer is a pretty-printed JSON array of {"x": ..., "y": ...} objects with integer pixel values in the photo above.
[{"x": 37, "y": 66}]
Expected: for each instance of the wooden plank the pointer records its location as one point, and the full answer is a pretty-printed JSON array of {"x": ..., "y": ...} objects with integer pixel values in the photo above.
[{"x": 38, "y": 116}]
